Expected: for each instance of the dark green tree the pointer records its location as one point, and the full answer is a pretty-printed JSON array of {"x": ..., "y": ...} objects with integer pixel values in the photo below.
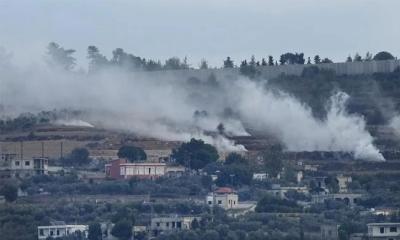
[
  {"x": 203, "y": 64},
  {"x": 235, "y": 158},
  {"x": 270, "y": 60},
  {"x": 317, "y": 59},
  {"x": 195, "y": 154},
  {"x": 122, "y": 230},
  {"x": 273, "y": 160},
  {"x": 357, "y": 58},
  {"x": 77, "y": 157},
  {"x": 95, "y": 231},
  {"x": 60, "y": 57},
  {"x": 228, "y": 63},
  {"x": 96, "y": 59},
  {"x": 132, "y": 153},
  {"x": 10, "y": 192},
  {"x": 383, "y": 56}
]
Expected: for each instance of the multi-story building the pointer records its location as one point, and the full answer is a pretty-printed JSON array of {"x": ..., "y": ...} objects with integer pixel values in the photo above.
[
  {"x": 60, "y": 229},
  {"x": 122, "y": 169},
  {"x": 383, "y": 231},
  {"x": 14, "y": 167},
  {"x": 160, "y": 225},
  {"x": 224, "y": 197}
]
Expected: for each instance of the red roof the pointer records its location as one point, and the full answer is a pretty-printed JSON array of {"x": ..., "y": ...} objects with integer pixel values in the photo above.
[{"x": 224, "y": 190}]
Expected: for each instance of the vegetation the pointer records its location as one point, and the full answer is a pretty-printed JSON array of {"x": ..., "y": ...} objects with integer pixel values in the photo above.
[
  {"x": 195, "y": 154},
  {"x": 132, "y": 153}
]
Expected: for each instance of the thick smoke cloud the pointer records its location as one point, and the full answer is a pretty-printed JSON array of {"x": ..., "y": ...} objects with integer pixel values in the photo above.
[{"x": 176, "y": 109}]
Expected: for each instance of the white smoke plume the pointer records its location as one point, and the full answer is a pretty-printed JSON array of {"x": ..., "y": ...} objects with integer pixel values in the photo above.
[{"x": 174, "y": 109}]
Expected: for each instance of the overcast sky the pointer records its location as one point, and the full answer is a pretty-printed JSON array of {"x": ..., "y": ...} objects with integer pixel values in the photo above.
[{"x": 211, "y": 29}]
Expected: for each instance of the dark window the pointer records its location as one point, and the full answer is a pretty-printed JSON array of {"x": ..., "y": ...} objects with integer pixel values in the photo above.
[
  {"x": 158, "y": 224},
  {"x": 209, "y": 202},
  {"x": 219, "y": 202},
  {"x": 16, "y": 163},
  {"x": 58, "y": 232},
  {"x": 173, "y": 224},
  {"x": 179, "y": 224},
  {"x": 41, "y": 233},
  {"x": 393, "y": 229},
  {"x": 149, "y": 170},
  {"x": 51, "y": 233},
  {"x": 167, "y": 224},
  {"x": 27, "y": 163},
  {"x": 382, "y": 230}
]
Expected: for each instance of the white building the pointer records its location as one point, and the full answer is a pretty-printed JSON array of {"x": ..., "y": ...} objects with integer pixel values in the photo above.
[
  {"x": 343, "y": 182},
  {"x": 223, "y": 197},
  {"x": 280, "y": 192},
  {"x": 60, "y": 229},
  {"x": 384, "y": 231},
  {"x": 23, "y": 167},
  {"x": 161, "y": 225}
]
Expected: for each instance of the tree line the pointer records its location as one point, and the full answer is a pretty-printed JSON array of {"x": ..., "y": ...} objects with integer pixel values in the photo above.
[{"x": 57, "y": 56}]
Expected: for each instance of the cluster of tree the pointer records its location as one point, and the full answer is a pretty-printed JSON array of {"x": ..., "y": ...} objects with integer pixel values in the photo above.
[
  {"x": 78, "y": 157},
  {"x": 9, "y": 191},
  {"x": 132, "y": 153},
  {"x": 195, "y": 154},
  {"x": 273, "y": 204},
  {"x": 380, "y": 56}
]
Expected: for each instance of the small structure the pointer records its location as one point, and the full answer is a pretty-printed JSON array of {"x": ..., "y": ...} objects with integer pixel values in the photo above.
[
  {"x": 343, "y": 182},
  {"x": 385, "y": 211},
  {"x": 280, "y": 192},
  {"x": 106, "y": 228},
  {"x": 383, "y": 231},
  {"x": 160, "y": 225},
  {"x": 60, "y": 229},
  {"x": 259, "y": 176},
  {"x": 122, "y": 169},
  {"x": 330, "y": 232},
  {"x": 224, "y": 197}
]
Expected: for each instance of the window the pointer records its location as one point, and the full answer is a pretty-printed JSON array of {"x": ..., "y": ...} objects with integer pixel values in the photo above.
[
  {"x": 58, "y": 232},
  {"x": 219, "y": 202},
  {"x": 41, "y": 233},
  {"x": 51, "y": 233},
  {"x": 209, "y": 202},
  {"x": 27, "y": 163},
  {"x": 16, "y": 163},
  {"x": 393, "y": 229},
  {"x": 173, "y": 224},
  {"x": 179, "y": 224},
  {"x": 167, "y": 224},
  {"x": 158, "y": 224},
  {"x": 382, "y": 230},
  {"x": 149, "y": 170}
]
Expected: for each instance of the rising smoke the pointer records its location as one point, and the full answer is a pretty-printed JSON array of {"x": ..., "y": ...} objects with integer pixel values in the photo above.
[{"x": 170, "y": 108}]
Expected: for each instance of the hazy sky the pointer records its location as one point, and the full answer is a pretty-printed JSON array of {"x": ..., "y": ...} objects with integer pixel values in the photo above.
[{"x": 211, "y": 29}]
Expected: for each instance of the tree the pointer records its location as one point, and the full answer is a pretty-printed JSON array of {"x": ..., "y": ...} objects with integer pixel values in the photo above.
[
  {"x": 326, "y": 60},
  {"x": 132, "y": 153},
  {"x": 96, "y": 60},
  {"x": 317, "y": 59},
  {"x": 308, "y": 60},
  {"x": 203, "y": 64},
  {"x": 60, "y": 57},
  {"x": 228, "y": 63},
  {"x": 235, "y": 158},
  {"x": 95, "y": 231},
  {"x": 122, "y": 230},
  {"x": 349, "y": 59},
  {"x": 263, "y": 62},
  {"x": 368, "y": 57},
  {"x": 270, "y": 60},
  {"x": 357, "y": 58},
  {"x": 195, "y": 154},
  {"x": 383, "y": 56},
  {"x": 10, "y": 192},
  {"x": 273, "y": 161},
  {"x": 77, "y": 157}
]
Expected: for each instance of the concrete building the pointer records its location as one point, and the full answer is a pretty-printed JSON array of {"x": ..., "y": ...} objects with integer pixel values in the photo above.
[
  {"x": 280, "y": 192},
  {"x": 122, "y": 169},
  {"x": 223, "y": 197},
  {"x": 330, "y": 232},
  {"x": 160, "y": 225},
  {"x": 259, "y": 176},
  {"x": 350, "y": 199},
  {"x": 60, "y": 229},
  {"x": 343, "y": 182},
  {"x": 13, "y": 167},
  {"x": 383, "y": 231}
]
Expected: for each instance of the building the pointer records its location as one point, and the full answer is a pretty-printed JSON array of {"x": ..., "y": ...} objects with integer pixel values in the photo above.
[
  {"x": 383, "y": 231},
  {"x": 343, "y": 182},
  {"x": 385, "y": 211},
  {"x": 259, "y": 176},
  {"x": 160, "y": 225},
  {"x": 60, "y": 229},
  {"x": 122, "y": 169},
  {"x": 330, "y": 232},
  {"x": 280, "y": 192},
  {"x": 13, "y": 167},
  {"x": 223, "y": 197},
  {"x": 349, "y": 199}
]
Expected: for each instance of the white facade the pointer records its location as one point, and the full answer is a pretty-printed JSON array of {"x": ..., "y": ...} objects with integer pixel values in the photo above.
[
  {"x": 56, "y": 231},
  {"x": 143, "y": 169},
  {"x": 384, "y": 231},
  {"x": 229, "y": 200},
  {"x": 171, "y": 223},
  {"x": 343, "y": 182}
]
